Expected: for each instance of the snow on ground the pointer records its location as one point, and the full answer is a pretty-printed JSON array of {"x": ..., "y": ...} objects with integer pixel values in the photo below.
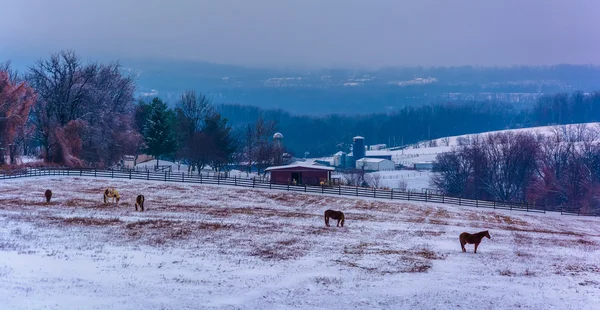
[
  {"x": 415, "y": 180},
  {"x": 211, "y": 247},
  {"x": 412, "y": 154},
  {"x": 544, "y": 130}
]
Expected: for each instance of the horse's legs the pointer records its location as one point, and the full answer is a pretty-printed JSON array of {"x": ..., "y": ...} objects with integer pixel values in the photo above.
[
  {"x": 326, "y": 221},
  {"x": 476, "y": 244}
]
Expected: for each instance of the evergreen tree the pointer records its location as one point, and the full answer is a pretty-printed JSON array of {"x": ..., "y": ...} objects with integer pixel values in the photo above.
[
  {"x": 221, "y": 141},
  {"x": 158, "y": 132}
]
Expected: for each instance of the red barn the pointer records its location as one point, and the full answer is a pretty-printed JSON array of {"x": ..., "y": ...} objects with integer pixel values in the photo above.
[{"x": 300, "y": 174}]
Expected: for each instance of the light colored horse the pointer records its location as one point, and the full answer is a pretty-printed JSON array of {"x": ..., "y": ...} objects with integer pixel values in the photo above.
[{"x": 111, "y": 193}]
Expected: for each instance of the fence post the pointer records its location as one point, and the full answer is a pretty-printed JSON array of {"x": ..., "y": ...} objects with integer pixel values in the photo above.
[
  {"x": 357, "y": 190},
  {"x": 477, "y": 203},
  {"x": 80, "y": 171},
  {"x": 392, "y": 196},
  {"x": 459, "y": 201},
  {"x": 253, "y": 181},
  {"x": 288, "y": 186},
  {"x": 182, "y": 177},
  {"x": 443, "y": 198},
  {"x": 305, "y": 187},
  {"x": 408, "y": 195},
  {"x": 270, "y": 185},
  {"x": 340, "y": 189},
  {"x": 165, "y": 175},
  {"x": 426, "y": 196},
  {"x": 374, "y": 193},
  {"x": 494, "y": 204},
  {"x": 322, "y": 189},
  {"x": 112, "y": 174},
  {"x": 201, "y": 179},
  {"x": 130, "y": 174},
  {"x": 94, "y": 172},
  {"x": 218, "y": 179},
  {"x": 234, "y": 180}
]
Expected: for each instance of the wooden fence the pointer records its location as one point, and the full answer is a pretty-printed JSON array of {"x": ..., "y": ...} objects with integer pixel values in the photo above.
[{"x": 393, "y": 194}]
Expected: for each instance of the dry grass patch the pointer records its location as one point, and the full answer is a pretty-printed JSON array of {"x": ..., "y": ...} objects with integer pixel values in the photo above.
[
  {"x": 380, "y": 259},
  {"x": 214, "y": 226},
  {"x": 152, "y": 224},
  {"x": 86, "y": 221},
  {"x": 279, "y": 250},
  {"x": 428, "y": 233},
  {"x": 507, "y": 273},
  {"x": 326, "y": 281}
]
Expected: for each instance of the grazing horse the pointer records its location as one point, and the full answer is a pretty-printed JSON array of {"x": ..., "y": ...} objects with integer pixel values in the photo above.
[
  {"x": 139, "y": 201},
  {"x": 336, "y": 215},
  {"x": 472, "y": 239},
  {"x": 111, "y": 193},
  {"x": 48, "y": 195}
]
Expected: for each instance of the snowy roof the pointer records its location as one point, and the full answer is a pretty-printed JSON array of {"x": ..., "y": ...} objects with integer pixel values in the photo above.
[
  {"x": 373, "y": 160},
  {"x": 300, "y": 165},
  {"x": 358, "y": 137}
]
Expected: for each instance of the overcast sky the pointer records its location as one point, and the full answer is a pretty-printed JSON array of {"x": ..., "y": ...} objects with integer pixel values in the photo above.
[{"x": 309, "y": 32}]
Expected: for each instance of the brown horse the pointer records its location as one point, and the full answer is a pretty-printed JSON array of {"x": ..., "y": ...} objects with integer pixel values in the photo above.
[
  {"x": 336, "y": 215},
  {"x": 472, "y": 239},
  {"x": 48, "y": 195},
  {"x": 139, "y": 201},
  {"x": 111, "y": 193}
]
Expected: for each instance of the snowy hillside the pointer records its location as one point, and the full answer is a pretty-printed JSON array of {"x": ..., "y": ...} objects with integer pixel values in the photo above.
[
  {"x": 223, "y": 248},
  {"x": 423, "y": 153}
]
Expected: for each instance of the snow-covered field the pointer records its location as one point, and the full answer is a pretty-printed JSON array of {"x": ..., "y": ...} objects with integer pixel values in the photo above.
[{"x": 211, "y": 247}]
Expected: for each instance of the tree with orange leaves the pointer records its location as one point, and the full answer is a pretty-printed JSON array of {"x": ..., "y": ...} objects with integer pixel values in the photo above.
[{"x": 16, "y": 100}]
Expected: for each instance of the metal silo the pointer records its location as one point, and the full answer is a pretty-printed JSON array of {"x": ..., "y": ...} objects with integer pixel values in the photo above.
[{"x": 358, "y": 149}]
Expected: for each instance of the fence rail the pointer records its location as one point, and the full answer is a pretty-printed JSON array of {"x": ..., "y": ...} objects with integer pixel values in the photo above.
[{"x": 341, "y": 190}]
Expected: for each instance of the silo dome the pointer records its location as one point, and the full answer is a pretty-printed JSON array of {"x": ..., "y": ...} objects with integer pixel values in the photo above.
[{"x": 278, "y": 135}]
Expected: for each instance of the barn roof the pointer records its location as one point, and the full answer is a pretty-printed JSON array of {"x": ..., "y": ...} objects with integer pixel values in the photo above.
[{"x": 300, "y": 165}]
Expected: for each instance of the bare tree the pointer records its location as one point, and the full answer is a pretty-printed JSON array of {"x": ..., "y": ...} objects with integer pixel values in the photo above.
[
  {"x": 98, "y": 95},
  {"x": 446, "y": 141},
  {"x": 402, "y": 185},
  {"x": 373, "y": 179}
]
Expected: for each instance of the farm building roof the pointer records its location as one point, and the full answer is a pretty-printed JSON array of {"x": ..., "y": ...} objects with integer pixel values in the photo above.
[
  {"x": 372, "y": 160},
  {"x": 300, "y": 165}
]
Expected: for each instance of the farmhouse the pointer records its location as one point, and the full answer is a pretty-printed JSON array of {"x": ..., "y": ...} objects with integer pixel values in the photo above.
[
  {"x": 300, "y": 173},
  {"x": 374, "y": 164}
]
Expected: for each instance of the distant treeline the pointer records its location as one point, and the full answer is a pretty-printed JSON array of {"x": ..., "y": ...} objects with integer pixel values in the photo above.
[{"x": 322, "y": 136}]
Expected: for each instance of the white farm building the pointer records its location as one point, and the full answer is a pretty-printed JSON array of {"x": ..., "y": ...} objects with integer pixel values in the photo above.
[{"x": 374, "y": 164}]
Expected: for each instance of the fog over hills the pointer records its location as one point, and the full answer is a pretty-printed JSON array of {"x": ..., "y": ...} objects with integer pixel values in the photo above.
[{"x": 359, "y": 91}]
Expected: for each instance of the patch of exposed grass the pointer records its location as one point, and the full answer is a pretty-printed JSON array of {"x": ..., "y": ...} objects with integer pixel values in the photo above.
[
  {"x": 87, "y": 221},
  {"x": 326, "y": 281},
  {"x": 507, "y": 273}
]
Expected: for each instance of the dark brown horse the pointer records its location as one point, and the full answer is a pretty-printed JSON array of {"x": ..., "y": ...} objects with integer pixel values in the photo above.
[
  {"x": 48, "y": 195},
  {"x": 472, "y": 239},
  {"x": 139, "y": 201},
  {"x": 336, "y": 215}
]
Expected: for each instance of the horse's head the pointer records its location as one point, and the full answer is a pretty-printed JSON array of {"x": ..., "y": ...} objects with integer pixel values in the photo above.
[{"x": 487, "y": 234}]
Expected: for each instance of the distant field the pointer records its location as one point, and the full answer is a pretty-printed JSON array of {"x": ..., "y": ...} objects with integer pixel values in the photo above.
[{"x": 212, "y": 247}]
